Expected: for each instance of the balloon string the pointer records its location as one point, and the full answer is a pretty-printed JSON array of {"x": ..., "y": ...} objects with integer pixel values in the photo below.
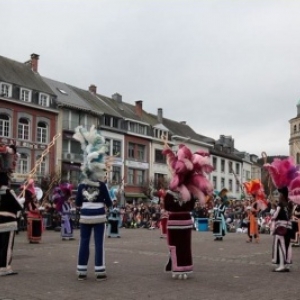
[{"x": 38, "y": 163}]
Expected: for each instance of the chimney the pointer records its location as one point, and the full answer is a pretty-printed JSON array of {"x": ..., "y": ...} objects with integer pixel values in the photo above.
[
  {"x": 183, "y": 122},
  {"x": 34, "y": 62},
  {"x": 139, "y": 108},
  {"x": 117, "y": 97},
  {"x": 160, "y": 115},
  {"x": 93, "y": 89}
]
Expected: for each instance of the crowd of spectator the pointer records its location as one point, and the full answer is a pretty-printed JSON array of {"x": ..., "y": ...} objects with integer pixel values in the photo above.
[{"x": 147, "y": 215}]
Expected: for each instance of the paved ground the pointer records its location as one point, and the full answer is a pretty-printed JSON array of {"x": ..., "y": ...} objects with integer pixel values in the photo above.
[{"x": 231, "y": 269}]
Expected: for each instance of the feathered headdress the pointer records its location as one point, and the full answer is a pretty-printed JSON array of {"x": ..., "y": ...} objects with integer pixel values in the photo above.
[
  {"x": 189, "y": 172},
  {"x": 285, "y": 176},
  {"x": 294, "y": 190},
  {"x": 8, "y": 158},
  {"x": 61, "y": 194},
  {"x": 66, "y": 189},
  {"x": 252, "y": 187},
  {"x": 94, "y": 149},
  {"x": 282, "y": 171},
  {"x": 256, "y": 189}
]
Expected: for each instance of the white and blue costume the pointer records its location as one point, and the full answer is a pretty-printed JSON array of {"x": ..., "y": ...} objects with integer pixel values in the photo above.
[
  {"x": 113, "y": 222},
  {"x": 114, "y": 215},
  {"x": 92, "y": 197},
  {"x": 219, "y": 224}
]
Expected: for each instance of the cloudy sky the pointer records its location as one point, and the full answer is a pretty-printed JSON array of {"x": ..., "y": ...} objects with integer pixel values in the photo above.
[{"x": 227, "y": 67}]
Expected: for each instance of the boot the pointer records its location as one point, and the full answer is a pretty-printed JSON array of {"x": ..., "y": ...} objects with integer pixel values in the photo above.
[{"x": 282, "y": 266}]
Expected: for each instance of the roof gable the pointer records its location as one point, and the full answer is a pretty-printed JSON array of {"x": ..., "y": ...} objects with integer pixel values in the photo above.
[{"x": 20, "y": 74}]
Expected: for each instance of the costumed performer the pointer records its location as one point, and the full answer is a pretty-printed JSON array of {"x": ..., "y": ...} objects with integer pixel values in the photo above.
[
  {"x": 34, "y": 215},
  {"x": 9, "y": 207},
  {"x": 113, "y": 216},
  {"x": 219, "y": 223},
  {"x": 282, "y": 172},
  {"x": 254, "y": 189},
  {"x": 188, "y": 183},
  {"x": 61, "y": 199},
  {"x": 92, "y": 197},
  {"x": 296, "y": 226},
  {"x": 164, "y": 215}
]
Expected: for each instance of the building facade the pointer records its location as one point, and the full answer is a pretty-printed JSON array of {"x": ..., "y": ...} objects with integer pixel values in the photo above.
[
  {"x": 35, "y": 109},
  {"x": 28, "y": 118}
]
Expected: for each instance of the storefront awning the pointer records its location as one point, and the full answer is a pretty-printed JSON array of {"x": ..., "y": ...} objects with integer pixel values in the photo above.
[{"x": 135, "y": 195}]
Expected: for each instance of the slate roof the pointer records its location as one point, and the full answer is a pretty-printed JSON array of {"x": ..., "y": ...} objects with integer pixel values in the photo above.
[
  {"x": 226, "y": 155},
  {"x": 21, "y": 74},
  {"x": 69, "y": 98},
  {"x": 174, "y": 127},
  {"x": 94, "y": 101},
  {"x": 206, "y": 139},
  {"x": 119, "y": 108}
]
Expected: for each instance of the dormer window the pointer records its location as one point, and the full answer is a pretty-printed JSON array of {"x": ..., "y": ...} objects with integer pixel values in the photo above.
[
  {"x": 44, "y": 100},
  {"x": 131, "y": 127},
  {"x": 5, "y": 90},
  {"x": 25, "y": 95},
  {"x": 137, "y": 128},
  {"x": 107, "y": 121},
  {"x": 141, "y": 129},
  {"x": 115, "y": 122}
]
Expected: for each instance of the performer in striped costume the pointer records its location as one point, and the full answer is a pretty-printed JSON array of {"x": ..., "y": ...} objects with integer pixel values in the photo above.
[
  {"x": 92, "y": 197},
  {"x": 9, "y": 206},
  {"x": 188, "y": 183}
]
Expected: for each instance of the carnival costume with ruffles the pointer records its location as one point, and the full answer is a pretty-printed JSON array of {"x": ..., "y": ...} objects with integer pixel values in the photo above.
[
  {"x": 285, "y": 176},
  {"x": 188, "y": 183},
  {"x": 113, "y": 215},
  {"x": 61, "y": 196},
  {"x": 9, "y": 206},
  {"x": 34, "y": 216},
  {"x": 219, "y": 224},
  {"x": 92, "y": 197},
  {"x": 254, "y": 189}
]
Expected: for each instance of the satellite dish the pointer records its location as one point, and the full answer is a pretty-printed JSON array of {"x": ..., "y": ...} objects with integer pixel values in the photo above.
[{"x": 39, "y": 193}]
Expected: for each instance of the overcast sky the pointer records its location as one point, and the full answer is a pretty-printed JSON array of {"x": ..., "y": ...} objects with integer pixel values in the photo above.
[{"x": 225, "y": 67}]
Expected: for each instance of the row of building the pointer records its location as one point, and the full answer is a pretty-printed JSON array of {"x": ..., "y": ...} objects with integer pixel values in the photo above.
[{"x": 34, "y": 109}]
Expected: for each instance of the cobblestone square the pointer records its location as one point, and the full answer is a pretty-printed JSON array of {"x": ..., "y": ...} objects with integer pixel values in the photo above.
[{"x": 231, "y": 269}]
